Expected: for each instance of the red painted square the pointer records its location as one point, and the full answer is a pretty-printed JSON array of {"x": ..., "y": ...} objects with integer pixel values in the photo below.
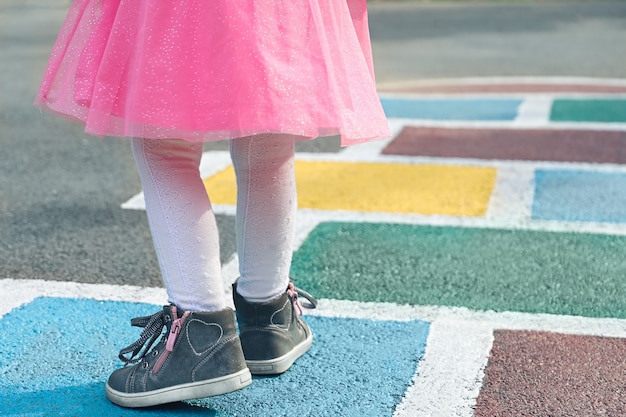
[
  {"x": 512, "y": 144},
  {"x": 549, "y": 374}
]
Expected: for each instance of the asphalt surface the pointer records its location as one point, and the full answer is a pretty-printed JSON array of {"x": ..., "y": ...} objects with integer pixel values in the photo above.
[
  {"x": 442, "y": 40},
  {"x": 487, "y": 280},
  {"x": 60, "y": 216}
]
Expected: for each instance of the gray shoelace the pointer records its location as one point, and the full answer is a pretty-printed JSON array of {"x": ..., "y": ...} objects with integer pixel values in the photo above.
[{"x": 153, "y": 327}]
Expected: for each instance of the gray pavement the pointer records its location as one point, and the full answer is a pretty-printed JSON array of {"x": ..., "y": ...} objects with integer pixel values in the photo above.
[
  {"x": 60, "y": 191},
  {"x": 468, "y": 39}
]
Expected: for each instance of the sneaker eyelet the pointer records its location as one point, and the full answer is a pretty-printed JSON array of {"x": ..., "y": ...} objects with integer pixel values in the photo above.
[
  {"x": 155, "y": 352},
  {"x": 145, "y": 365}
]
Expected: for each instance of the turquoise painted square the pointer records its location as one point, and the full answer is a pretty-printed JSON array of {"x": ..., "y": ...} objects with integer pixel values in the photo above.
[
  {"x": 595, "y": 110},
  {"x": 580, "y": 196},
  {"x": 445, "y": 109},
  {"x": 57, "y": 354}
]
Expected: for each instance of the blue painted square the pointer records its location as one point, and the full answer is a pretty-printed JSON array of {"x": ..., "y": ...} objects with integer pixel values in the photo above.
[
  {"x": 447, "y": 109},
  {"x": 585, "y": 196},
  {"x": 57, "y": 354}
]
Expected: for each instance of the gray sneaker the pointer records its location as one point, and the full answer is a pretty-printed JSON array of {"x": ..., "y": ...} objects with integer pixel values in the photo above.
[
  {"x": 273, "y": 334},
  {"x": 198, "y": 356}
]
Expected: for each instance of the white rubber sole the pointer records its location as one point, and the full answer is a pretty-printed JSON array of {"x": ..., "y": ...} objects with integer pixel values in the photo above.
[
  {"x": 192, "y": 390},
  {"x": 281, "y": 364}
]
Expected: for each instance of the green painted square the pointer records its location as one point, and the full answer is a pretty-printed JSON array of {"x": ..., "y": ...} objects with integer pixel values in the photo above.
[
  {"x": 483, "y": 269},
  {"x": 598, "y": 110}
]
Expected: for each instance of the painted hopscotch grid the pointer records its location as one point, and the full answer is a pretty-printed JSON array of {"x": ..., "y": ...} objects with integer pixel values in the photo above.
[
  {"x": 437, "y": 388},
  {"x": 511, "y": 201},
  {"x": 451, "y": 388}
]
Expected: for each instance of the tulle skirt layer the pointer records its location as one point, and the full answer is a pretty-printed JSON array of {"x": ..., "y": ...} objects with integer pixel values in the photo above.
[{"x": 209, "y": 70}]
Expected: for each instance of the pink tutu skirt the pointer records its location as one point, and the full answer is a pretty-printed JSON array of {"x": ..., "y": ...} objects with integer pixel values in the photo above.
[{"x": 204, "y": 70}]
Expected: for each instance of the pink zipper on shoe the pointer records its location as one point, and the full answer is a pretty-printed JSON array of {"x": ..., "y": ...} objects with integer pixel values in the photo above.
[
  {"x": 295, "y": 301},
  {"x": 177, "y": 325}
]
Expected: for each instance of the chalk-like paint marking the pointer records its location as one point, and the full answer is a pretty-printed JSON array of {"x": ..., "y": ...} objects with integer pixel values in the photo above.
[
  {"x": 511, "y": 124},
  {"x": 213, "y": 162},
  {"x": 230, "y": 274},
  {"x": 22, "y": 291},
  {"x": 506, "y": 320},
  {"x": 512, "y": 197},
  {"x": 533, "y": 113},
  {"x": 218, "y": 160},
  {"x": 449, "y": 376},
  {"x": 230, "y": 269},
  {"x": 502, "y": 95},
  {"x": 210, "y": 164},
  {"x": 496, "y": 163},
  {"x": 367, "y": 150},
  {"x": 534, "y": 110},
  {"x": 307, "y": 217},
  {"x": 509, "y": 207},
  {"x": 453, "y": 221},
  {"x": 461, "y": 81},
  {"x": 136, "y": 202}
]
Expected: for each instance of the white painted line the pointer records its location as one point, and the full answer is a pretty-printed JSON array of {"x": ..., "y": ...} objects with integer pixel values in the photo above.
[
  {"x": 449, "y": 377},
  {"x": 230, "y": 269},
  {"x": 503, "y": 95},
  {"x": 396, "y": 126},
  {"x": 136, "y": 202},
  {"x": 469, "y": 81},
  {"x": 367, "y": 149},
  {"x": 474, "y": 162},
  {"x": 213, "y": 162},
  {"x": 224, "y": 209},
  {"x": 210, "y": 164},
  {"x": 20, "y": 290},
  {"x": 505, "y": 212},
  {"x": 574, "y": 325},
  {"x": 511, "y": 124},
  {"x": 304, "y": 227},
  {"x": 513, "y": 223},
  {"x": 534, "y": 110},
  {"x": 216, "y": 161},
  {"x": 615, "y": 127},
  {"x": 512, "y": 197},
  {"x": 509, "y": 207}
]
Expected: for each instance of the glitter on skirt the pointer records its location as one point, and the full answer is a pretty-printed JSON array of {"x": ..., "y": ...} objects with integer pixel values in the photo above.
[{"x": 209, "y": 70}]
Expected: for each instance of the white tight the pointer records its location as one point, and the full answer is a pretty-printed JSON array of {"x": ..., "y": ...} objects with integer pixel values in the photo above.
[{"x": 183, "y": 224}]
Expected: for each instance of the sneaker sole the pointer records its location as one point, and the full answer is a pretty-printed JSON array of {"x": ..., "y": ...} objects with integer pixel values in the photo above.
[
  {"x": 201, "y": 389},
  {"x": 281, "y": 364}
]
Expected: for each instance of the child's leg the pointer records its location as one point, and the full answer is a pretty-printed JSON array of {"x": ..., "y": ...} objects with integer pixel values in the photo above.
[
  {"x": 266, "y": 213},
  {"x": 272, "y": 333},
  {"x": 182, "y": 222},
  {"x": 199, "y": 354}
]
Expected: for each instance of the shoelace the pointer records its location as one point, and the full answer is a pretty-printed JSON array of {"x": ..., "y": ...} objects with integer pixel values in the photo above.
[
  {"x": 295, "y": 293},
  {"x": 153, "y": 327}
]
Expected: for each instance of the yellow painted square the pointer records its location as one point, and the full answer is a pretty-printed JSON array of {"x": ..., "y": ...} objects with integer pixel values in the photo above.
[{"x": 378, "y": 187}]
